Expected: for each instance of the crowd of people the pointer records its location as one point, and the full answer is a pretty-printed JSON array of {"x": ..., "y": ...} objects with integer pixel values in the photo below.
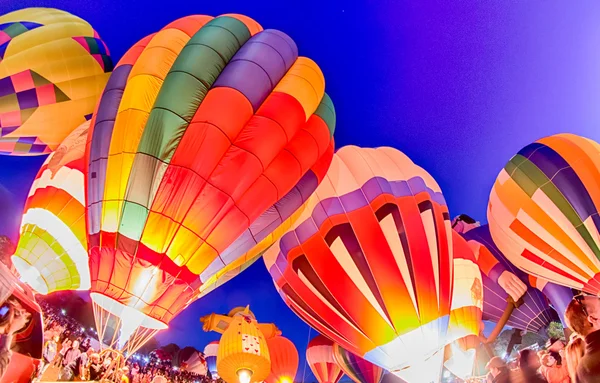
[{"x": 577, "y": 362}]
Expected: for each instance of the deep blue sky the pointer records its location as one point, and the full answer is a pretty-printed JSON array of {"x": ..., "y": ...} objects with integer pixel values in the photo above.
[{"x": 459, "y": 86}]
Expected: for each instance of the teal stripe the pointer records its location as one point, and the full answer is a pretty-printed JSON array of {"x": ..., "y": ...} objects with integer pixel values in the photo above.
[
  {"x": 193, "y": 73},
  {"x": 326, "y": 111},
  {"x": 195, "y": 70},
  {"x": 530, "y": 178}
]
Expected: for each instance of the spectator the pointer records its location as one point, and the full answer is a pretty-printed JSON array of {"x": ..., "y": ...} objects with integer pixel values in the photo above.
[
  {"x": 529, "y": 364},
  {"x": 552, "y": 371},
  {"x": 66, "y": 345},
  {"x": 70, "y": 363},
  {"x": 95, "y": 369},
  {"x": 498, "y": 369},
  {"x": 49, "y": 354},
  {"x": 12, "y": 319},
  {"x": 125, "y": 376},
  {"x": 573, "y": 354},
  {"x": 583, "y": 317}
]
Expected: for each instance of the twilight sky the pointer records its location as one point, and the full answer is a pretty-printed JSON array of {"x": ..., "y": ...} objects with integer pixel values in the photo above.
[{"x": 459, "y": 86}]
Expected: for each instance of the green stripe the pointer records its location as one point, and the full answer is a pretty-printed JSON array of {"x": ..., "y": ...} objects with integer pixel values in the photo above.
[
  {"x": 35, "y": 238},
  {"x": 326, "y": 111},
  {"x": 194, "y": 71},
  {"x": 530, "y": 178}
]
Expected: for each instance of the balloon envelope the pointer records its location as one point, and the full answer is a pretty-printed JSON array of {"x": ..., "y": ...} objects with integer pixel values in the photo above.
[
  {"x": 284, "y": 360},
  {"x": 467, "y": 292},
  {"x": 51, "y": 254},
  {"x": 319, "y": 356},
  {"x": 355, "y": 367},
  {"x": 533, "y": 314},
  {"x": 369, "y": 262},
  {"x": 210, "y": 355},
  {"x": 543, "y": 211},
  {"x": 210, "y": 135},
  {"x": 53, "y": 68}
]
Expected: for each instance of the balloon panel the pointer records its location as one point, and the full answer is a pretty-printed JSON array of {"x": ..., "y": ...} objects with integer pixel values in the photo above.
[
  {"x": 543, "y": 211},
  {"x": 369, "y": 262},
  {"x": 51, "y": 254},
  {"x": 53, "y": 68},
  {"x": 202, "y": 146},
  {"x": 533, "y": 314}
]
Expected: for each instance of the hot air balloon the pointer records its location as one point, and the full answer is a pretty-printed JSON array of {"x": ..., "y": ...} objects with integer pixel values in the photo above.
[
  {"x": 52, "y": 251},
  {"x": 467, "y": 293},
  {"x": 357, "y": 369},
  {"x": 466, "y": 357},
  {"x": 191, "y": 360},
  {"x": 243, "y": 355},
  {"x": 531, "y": 312},
  {"x": 210, "y": 134},
  {"x": 369, "y": 262},
  {"x": 53, "y": 68},
  {"x": 543, "y": 211},
  {"x": 210, "y": 355},
  {"x": 284, "y": 360},
  {"x": 319, "y": 356}
]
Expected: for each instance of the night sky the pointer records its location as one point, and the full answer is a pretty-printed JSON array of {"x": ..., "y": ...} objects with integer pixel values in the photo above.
[{"x": 458, "y": 86}]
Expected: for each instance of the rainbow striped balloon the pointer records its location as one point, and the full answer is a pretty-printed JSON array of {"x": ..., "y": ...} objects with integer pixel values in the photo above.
[
  {"x": 52, "y": 251},
  {"x": 543, "y": 211}
]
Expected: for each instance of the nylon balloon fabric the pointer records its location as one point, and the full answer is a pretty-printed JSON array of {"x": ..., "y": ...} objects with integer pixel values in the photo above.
[
  {"x": 51, "y": 254},
  {"x": 319, "y": 356},
  {"x": 210, "y": 355},
  {"x": 210, "y": 135},
  {"x": 543, "y": 211},
  {"x": 534, "y": 313},
  {"x": 467, "y": 292},
  {"x": 53, "y": 68},
  {"x": 355, "y": 367},
  {"x": 369, "y": 262},
  {"x": 284, "y": 360}
]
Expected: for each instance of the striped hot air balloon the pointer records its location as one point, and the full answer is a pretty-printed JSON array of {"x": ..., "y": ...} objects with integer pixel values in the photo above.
[
  {"x": 210, "y": 135},
  {"x": 543, "y": 211},
  {"x": 319, "y": 356},
  {"x": 533, "y": 313},
  {"x": 210, "y": 355},
  {"x": 355, "y": 367},
  {"x": 53, "y": 68},
  {"x": 369, "y": 262},
  {"x": 52, "y": 251},
  {"x": 467, "y": 293}
]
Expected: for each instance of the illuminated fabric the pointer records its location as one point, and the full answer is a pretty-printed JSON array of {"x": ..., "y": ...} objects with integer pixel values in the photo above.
[
  {"x": 369, "y": 262},
  {"x": 52, "y": 251},
  {"x": 543, "y": 211},
  {"x": 284, "y": 360},
  {"x": 467, "y": 293},
  {"x": 319, "y": 356},
  {"x": 210, "y": 134},
  {"x": 534, "y": 313},
  {"x": 210, "y": 355},
  {"x": 355, "y": 367},
  {"x": 53, "y": 68}
]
